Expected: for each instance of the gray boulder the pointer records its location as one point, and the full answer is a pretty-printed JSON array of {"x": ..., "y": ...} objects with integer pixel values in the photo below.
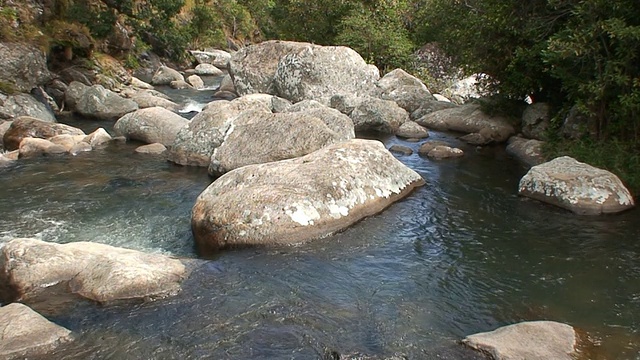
[
  {"x": 139, "y": 84},
  {"x": 428, "y": 107},
  {"x": 412, "y": 130},
  {"x": 531, "y": 340},
  {"x": 400, "y": 149},
  {"x": 100, "y": 103},
  {"x": 194, "y": 143},
  {"x": 218, "y": 58},
  {"x": 4, "y": 126},
  {"x": 378, "y": 115},
  {"x": 98, "y": 137},
  {"x": 32, "y": 270},
  {"x": 165, "y": 75},
  {"x": 576, "y": 186},
  {"x": 535, "y": 121},
  {"x": 151, "y": 98},
  {"x": 334, "y": 119},
  {"x": 274, "y": 103},
  {"x": 469, "y": 119},
  {"x": 577, "y": 125},
  {"x": 252, "y": 68},
  {"x": 398, "y": 78},
  {"x": 319, "y": 72},
  {"x": 527, "y": 151},
  {"x": 196, "y": 82},
  {"x": 25, "y": 105},
  {"x": 27, "y": 333},
  {"x": 180, "y": 85},
  {"x": 226, "y": 84},
  {"x": 208, "y": 70},
  {"x": 256, "y": 137},
  {"x": 334, "y": 188},
  {"x": 345, "y": 103},
  {"x": 151, "y": 125},
  {"x": 439, "y": 150},
  {"x": 405, "y": 89},
  {"x": 28, "y": 127},
  {"x": 23, "y": 66},
  {"x": 73, "y": 93}
]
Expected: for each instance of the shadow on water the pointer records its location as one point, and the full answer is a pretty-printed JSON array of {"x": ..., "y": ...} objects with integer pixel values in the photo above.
[{"x": 460, "y": 255}]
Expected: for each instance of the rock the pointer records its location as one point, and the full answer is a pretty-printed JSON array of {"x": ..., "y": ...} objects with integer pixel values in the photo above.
[
  {"x": 218, "y": 58},
  {"x": 226, "y": 84},
  {"x": 196, "y": 82},
  {"x": 409, "y": 98},
  {"x": 463, "y": 90},
  {"x": 378, "y": 115},
  {"x": 527, "y": 151},
  {"x": 578, "y": 125},
  {"x": 535, "y": 121},
  {"x": 66, "y": 141},
  {"x": 26, "y": 105},
  {"x": 527, "y": 340},
  {"x": 12, "y": 155},
  {"x": 334, "y": 188},
  {"x": 576, "y": 186},
  {"x": 476, "y": 139},
  {"x": 80, "y": 147},
  {"x": 274, "y": 103},
  {"x": 334, "y": 119},
  {"x": 412, "y": 130},
  {"x": 120, "y": 40},
  {"x": 98, "y": 137},
  {"x": 225, "y": 95},
  {"x": 165, "y": 75},
  {"x": 253, "y": 67},
  {"x": 25, "y": 126},
  {"x": 137, "y": 83},
  {"x": 398, "y": 78},
  {"x": 469, "y": 119},
  {"x": 56, "y": 89},
  {"x": 73, "y": 93},
  {"x": 257, "y": 137},
  {"x": 151, "y": 125},
  {"x": 400, "y": 149},
  {"x": 208, "y": 70},
  {"x": 4, "y": 126},
  {"x": 194, "y": 143},
  {"x": 441, "y": 98},
  {"x": 149, "y": 98},
  {"x": 344, "y": 103},
  {"x": 319, "y": 72},
  {"x": 32, "y": 147},
  {"x": 79, "y": 74},
  {"x": 5, "y": 161},
  {"x": 112, "y": 68},
  {"x": 23, "y": 66},
  {"x": 33, "y": 270},
  {"x": 156, "y": 149},
  {"x": 439, "y": 150},
  {"x": 180, "y": 85},
  {"x": 100, "y": 103},
  {"x": 428, "y": 107},
  {"x": 27, "y": 333}
]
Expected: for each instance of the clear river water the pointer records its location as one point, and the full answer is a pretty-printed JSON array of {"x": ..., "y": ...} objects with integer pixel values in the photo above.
[{"x": 462, "y": 254}]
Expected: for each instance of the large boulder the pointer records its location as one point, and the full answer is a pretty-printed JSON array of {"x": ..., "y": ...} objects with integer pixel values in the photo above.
[
  {"x": 25, "y": 333},
  {"x": 274, "y": 103},
  {"x": 218, "y": 58},
  {"x": 4, "y": 126},
  {"x": 334, "y": 119},
  {"x": 531, "y": 340},
  {"x": 535, "y": 121},
  {"x": 469, "y": 119},
  {"x": 208, "y": 70},
  {"x": 165, "y": 75},
  {"x": 100, "y": 103},
  {"x": 319, "y": 72},
  {"x": 300, "y": 199},
  {"x": 257, "y": 137},
  {"x": 527, "y": 151},
  {"x": 428, "y": 107},
  {"x": 412, "y": 130},
  {"x": 32, "y": 271},
  {"x": 377, "y": 115},
  {"x": 194, "y": 143},
  {"x": 578, "y": 125},
  {"x": 25, "y": 105},
  {"x": 23, "y": 66},
  {"x": 32, "y": 147},
  {"x": 151, "y": 98},
  {"x": 151, "y": 125},
  {"x": 25, "y": 126},
  {"x": 253, "y": 68},
  {"x": 576, "y": 186},
  {"x": 405, "y": 89}
]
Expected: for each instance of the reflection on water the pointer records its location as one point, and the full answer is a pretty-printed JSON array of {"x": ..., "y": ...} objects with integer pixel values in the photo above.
[{"x": 462, "y": 254}]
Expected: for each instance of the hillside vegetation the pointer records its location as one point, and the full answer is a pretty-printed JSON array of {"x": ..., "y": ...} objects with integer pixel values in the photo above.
[{"x": 580, "y": 54}]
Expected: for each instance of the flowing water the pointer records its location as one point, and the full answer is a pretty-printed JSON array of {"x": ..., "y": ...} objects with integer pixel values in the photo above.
[{"x": 460, "y": 255}]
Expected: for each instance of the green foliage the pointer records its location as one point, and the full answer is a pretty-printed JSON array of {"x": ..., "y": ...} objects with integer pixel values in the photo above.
[
  {"x": 8, "y": 88},
  {"x": 99, "y": 21},
  {"x": 8, "y": 18}
]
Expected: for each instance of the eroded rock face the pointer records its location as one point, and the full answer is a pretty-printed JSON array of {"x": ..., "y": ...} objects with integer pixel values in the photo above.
[
  {"x": 378, "y": 115},
  {"x": 25, "y": 105},
  {"x": 165, "y": 75},
  {"x": 300, "y": 199},
  {"x": 334, "y": 119},
  {"x": 469, "y": 119},
  {"x": 32, "y": 270},
  {"x": 319, "y": 72},
  {"x": 25, "y": 126},
  {"x": 527, "y": 151},
  {"x": 529, "y": 340},
  {"x": 151, "y": 125},
  {"x": 257, "y": 137},
  {"x": 194, "y": 143},
  {"x": 26, "y": 333},
  {"x": 405, "y": 89},
  {"x": 576, "y": 186},
  {"x": 23, "y": 65},
  {"x": 98, "y": 102},
  {"x": 252, "y": 68}
]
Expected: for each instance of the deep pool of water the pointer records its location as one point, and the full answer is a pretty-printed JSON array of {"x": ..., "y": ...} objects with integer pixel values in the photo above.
[{"x": 460, "y": 255}]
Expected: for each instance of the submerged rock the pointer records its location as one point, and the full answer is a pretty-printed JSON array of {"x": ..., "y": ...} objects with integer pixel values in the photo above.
[
  {"x": 155, "y": 148},
  {"x": 300, "y": 199},
  {"x": 151, "y": 125},
  {"x": 439, "y": 150},
  {"x": 32, "y": 271},
  {"x": 165, "y": 75},
  {"x": 527, "y": 151},
  {"x": 529, "y": 340},
  {"x": 28, "y": 127},
  {"x": 576, "y": 186},
  {"x": 26, "y": 333}
]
